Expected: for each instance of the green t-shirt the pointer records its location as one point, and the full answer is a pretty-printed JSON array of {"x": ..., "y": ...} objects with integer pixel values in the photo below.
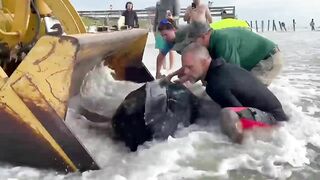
[{"x": 239, "y": 46}]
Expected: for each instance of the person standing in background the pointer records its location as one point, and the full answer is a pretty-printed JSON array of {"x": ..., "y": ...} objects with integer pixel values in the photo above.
[
  {"x": 198, "y": 12},
  {"x": 165, "y": 9},
  {"x": 162, "y": 7},
  {"x": 312, "y": 25},
  {"x": 131, "y": 18}
]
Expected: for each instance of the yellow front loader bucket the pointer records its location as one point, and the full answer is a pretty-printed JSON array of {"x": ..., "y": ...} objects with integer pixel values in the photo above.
[{"x": 34, "y": 99}]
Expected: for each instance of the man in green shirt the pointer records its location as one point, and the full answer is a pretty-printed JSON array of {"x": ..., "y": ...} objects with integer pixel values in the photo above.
[{"x": 241, "y": 47}]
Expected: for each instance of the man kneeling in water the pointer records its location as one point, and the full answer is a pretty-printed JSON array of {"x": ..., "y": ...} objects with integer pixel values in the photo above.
[{"x": 234, "y": 89}]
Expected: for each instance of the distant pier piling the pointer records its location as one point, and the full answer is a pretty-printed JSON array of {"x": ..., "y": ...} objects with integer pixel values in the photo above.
[
  {"x": 280, "y": 26},
  {"x": 274, "y": 27}
]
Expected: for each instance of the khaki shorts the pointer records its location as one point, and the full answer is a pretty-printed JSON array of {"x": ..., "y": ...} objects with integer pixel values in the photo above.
[{"x": 267, "y": 70}]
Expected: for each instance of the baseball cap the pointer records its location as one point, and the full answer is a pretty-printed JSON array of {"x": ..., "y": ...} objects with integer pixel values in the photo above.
[
  {"x": 196, "y": 29},
  {"x": 166, "y": 24},
  {"x": 181, "y": 40},
  {"x": 188, "y": 34}
]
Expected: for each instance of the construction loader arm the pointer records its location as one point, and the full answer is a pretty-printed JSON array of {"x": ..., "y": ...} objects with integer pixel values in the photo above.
[
  {"x": 24, "y": 22},
  {"x": 20, "y": 21},
  {"x": 67, "y": 15},
  {"x": 34, "y": 99},
  {"x": 22, "y": 15},
  {"x": 34, "y": 96}
]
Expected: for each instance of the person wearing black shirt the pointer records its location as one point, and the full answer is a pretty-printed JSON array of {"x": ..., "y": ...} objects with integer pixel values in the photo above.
[
  {"x": 230, "y": 86},
  {"x": 131, "y": 18}
]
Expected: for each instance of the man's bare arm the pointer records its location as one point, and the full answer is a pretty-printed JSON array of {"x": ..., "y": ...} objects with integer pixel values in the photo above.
[
  {"x": 180, "y": 73},
  {"x": 160, "y": 60},
  {"x": 208, "y": 15},
  {"x": 175, "y": 73},
  {"x": 187, "y": 14}
]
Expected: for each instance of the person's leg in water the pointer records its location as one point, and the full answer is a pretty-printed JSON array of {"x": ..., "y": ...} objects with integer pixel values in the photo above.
[
  {"x": 236, "y": 120},
  {"x": 171, "y": 59}
]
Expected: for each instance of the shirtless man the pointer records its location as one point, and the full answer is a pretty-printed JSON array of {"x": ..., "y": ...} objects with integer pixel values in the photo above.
[{"x": 198, "y": 12}]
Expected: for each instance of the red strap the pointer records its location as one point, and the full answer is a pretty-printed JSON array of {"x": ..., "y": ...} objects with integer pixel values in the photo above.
[
  {"x": 237, "y": 109},
  {"x": 249, "y": 123}
]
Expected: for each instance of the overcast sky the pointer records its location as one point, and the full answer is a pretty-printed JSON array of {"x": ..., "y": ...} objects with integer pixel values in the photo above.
[{"x": 284, "y": 10}]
